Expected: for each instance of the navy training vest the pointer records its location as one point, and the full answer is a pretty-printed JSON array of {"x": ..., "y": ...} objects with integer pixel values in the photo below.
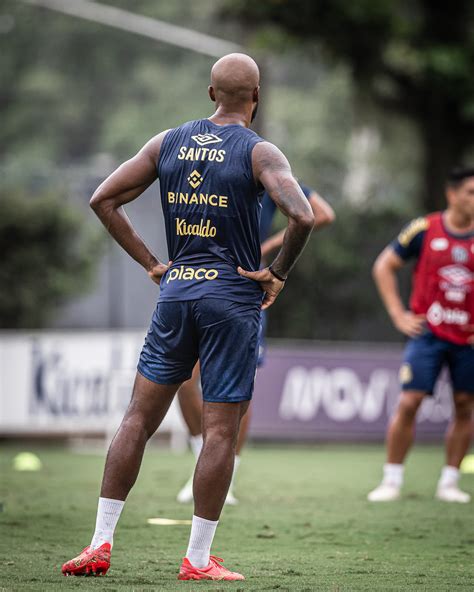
[{"x": 211, "y": 206}]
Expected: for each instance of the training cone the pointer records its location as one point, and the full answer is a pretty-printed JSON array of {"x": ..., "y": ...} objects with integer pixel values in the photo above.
[
  {"x": 26, "y": 461},
  {"x": 467, "y": 465}
]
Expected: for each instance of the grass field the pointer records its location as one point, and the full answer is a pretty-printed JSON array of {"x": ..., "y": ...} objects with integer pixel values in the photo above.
[{"x": 303, "y": 524}]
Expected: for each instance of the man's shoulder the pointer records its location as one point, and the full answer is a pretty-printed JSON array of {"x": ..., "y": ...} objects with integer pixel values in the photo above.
[{"x": 414, "y": 228}]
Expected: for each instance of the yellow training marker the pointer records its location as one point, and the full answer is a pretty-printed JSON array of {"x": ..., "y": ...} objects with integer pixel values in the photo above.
[
  {"x": 167, "y": 521},
  {"x": 467, "y": 465},
  {"x": 26, "y": 461}
]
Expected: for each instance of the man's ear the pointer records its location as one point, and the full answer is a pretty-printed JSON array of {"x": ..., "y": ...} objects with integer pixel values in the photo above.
[
  {"x": 212, "y": 93},
  {"x": 256, "y": 93}
]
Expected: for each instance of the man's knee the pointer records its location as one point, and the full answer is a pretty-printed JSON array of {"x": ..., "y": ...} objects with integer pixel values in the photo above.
[
  {"x": 221, "y": 434},
  {"x": 463, "y": 405},
  {"x": 409, "y": 405},
  {"x": 136, "y": 423}
]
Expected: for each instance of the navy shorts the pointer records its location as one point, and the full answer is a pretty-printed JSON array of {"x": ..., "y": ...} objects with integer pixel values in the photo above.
[
  {"x": 425, "y": 357},
  {"x": 222, "y": 334}
]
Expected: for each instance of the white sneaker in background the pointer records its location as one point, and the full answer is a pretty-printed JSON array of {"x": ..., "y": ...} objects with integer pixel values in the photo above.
[
  {"x": 385, "y": 492},
  {"x": 452, "y": 493},
  {"x": 231, "y": 500},
  {"x": 185, "y": 496}
]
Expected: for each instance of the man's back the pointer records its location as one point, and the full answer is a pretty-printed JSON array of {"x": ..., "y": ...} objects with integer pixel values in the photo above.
[{"x": 212, "y": 209}]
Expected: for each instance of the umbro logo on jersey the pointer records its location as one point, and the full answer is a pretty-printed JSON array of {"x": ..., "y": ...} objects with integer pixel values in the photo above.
[
  {"x": 458, "y": 275},
  {"x": 206, "y": 139}
]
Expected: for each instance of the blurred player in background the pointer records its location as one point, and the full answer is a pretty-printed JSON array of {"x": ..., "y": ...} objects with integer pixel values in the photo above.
[
  {"x": 440, "y": 328},
  {"x": 211, "y": 173},
  {"x": 190, "y": 394}
]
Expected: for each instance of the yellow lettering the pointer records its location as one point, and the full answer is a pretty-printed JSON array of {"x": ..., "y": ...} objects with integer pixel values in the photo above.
[
  {"x": 217, "y": 201},
  {"x": 173, "y": 274},
  {"x": 201, "y": 154},
  {"x": 199, "y": 273},
  {"x": 189, "y": 274}
]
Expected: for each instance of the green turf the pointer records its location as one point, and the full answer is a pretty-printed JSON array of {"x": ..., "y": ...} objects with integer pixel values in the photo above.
[{"x": 303, "y": 524}]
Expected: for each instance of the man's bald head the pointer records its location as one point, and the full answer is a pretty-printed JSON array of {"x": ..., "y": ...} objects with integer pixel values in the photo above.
[{"x": 234, "y": 80}]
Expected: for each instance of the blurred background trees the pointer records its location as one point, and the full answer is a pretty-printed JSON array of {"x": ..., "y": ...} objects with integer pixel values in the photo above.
[
  {"x": 413, "y": 59},
  {"x": 48, "y": 256},
  {"x": 370, "y": 101}
]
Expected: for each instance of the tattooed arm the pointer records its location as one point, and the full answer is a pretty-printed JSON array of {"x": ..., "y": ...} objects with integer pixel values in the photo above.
[
  {"x": 272, "y": 170},
  {"x": 124, "y": 185}
]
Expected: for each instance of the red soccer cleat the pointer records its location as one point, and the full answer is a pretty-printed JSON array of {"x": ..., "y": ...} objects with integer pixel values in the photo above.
[
  {"x": 214, "y": 571},
  {"x": 91, "y": 562}
]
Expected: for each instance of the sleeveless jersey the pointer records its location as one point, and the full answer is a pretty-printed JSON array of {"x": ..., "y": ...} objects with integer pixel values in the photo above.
[
  {"x": 211, "y": 206},
  {"x": 443, "y": 281}
]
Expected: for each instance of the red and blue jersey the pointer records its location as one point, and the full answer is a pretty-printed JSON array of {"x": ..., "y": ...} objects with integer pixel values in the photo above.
[
  {"x": 443, "y": 278},
  {"x": 211, "y": 206}
]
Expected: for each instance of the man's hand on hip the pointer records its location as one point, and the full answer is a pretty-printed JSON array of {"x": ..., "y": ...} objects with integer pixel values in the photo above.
[
  {"x": 409, "y": 324},
  {"x": 158, "y": 271},
  {"x": 271, "y": 285}
]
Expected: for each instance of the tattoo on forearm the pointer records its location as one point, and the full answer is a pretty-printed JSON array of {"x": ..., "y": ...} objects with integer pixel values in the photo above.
[{"x": 294, "y": 242}]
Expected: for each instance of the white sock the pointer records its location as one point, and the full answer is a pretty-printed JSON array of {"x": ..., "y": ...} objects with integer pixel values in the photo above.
[
  {"x": 237, "y": 461},
  {"x": 393, "y": 474},
  {"x": 108, "y": 513},
  {"x": 200, "y": 541},
  {"x": 449, "y": 477},
  {"x": 196, "y": 444}
]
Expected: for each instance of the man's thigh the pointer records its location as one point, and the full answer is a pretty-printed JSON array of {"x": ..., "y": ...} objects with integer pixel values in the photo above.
[
  {"x": 171, "y": 345},
  {"x": 150, "y": 402},
  {"x": 228, "y": 349},
  {"x": 423, "y": 361},
  {"x": 461, "y": 368}
]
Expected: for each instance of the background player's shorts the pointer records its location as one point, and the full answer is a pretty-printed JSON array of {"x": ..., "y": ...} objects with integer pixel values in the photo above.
[
  {"x": 221, "y": 333},
  {"x": 424, "y": 359}
]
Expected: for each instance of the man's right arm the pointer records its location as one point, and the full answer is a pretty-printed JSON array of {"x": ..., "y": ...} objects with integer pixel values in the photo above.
[
  {"x": 124, "y": 185},
  {"x": 384, "y": 272},
  {"x": 272, "y": 170}
]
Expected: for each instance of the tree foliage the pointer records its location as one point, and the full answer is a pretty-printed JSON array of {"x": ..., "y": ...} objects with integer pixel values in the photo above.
[
  {"x": 47, "y": 256},
  {"x": 330, "y": 293},
  {"x": 413, "y": 58}
]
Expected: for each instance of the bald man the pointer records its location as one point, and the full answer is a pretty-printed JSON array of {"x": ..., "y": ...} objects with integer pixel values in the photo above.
[{"x": 212, "y": 173}]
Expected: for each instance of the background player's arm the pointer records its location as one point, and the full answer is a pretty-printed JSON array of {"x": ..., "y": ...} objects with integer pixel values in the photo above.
[
  {"x": 323, "y": 215},
  {"x": 272, "y": 170},
  {"x": 384, "y": 273},
  {"x": 124, "y": 185}
]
